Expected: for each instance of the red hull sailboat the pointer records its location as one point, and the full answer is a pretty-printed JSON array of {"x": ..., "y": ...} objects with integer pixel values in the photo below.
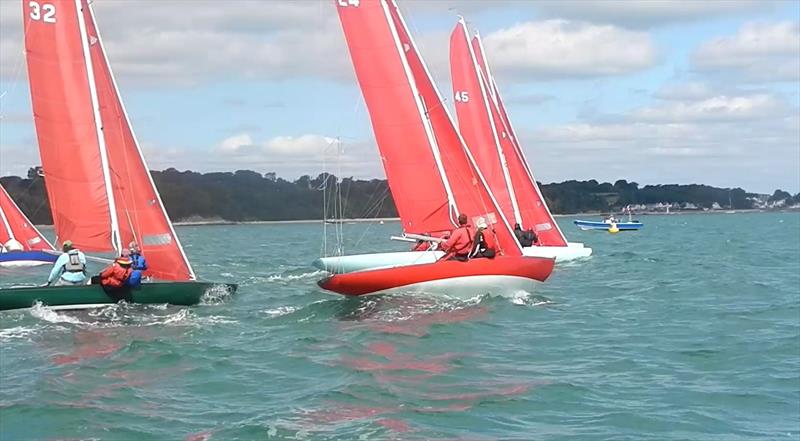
[{"x": 432, "y": 176}]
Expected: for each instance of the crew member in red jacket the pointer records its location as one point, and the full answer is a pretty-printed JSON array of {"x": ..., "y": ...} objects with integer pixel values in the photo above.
[
  {"x": 116, "y": 274},
  {"x": 459, "y": 245}
]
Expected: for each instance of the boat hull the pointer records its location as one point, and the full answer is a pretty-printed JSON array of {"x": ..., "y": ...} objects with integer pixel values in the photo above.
[
  {"x": 84, "y": 296},
  {"x": 25, "y": 258},
  {"x": 479, "y": 276},
  {"x": 592, "y": 225},
  {"x": 361, "y": 262}
]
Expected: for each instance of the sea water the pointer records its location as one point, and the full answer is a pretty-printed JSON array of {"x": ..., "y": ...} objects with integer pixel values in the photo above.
[{"x": 686, "y": 330}]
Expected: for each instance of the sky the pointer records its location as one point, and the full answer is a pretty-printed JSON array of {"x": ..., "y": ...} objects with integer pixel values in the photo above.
[{"x": 652, "y": 91}]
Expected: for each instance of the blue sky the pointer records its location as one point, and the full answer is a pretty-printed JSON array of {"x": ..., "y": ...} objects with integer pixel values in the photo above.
[{"x": 651, "y": 91}]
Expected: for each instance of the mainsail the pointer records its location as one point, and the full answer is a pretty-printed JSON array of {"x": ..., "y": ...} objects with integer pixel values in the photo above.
[
  {"x": 468, "y": 63},
  {"x": 14, "y": 225},
  {"x": 101, "y": 192},
  {"x": 431, "y": 174}
]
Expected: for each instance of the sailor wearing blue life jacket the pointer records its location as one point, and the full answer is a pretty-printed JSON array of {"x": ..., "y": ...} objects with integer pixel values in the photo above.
[
  {"x": 138, "y": 265},
  {"x": 70, "y": 267}
]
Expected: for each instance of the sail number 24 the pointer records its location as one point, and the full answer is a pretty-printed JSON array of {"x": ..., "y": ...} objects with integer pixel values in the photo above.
[{"x": 45, "y": 12}]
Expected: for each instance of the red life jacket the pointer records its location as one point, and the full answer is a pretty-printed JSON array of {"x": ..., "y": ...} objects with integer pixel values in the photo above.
[{"x": 115, "y": 275}]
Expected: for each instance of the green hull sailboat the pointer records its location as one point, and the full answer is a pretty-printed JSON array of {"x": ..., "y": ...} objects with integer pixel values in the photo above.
[
  {"x": 103, "y": 197},
  {"x": 89, "y": 296}
]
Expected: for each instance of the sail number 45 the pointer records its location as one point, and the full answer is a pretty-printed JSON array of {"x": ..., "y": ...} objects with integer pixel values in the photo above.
[
  {"x": 45, "y": 12},
  {"x": 349, "y": 2},
  {"x": 462, "y": 96}
]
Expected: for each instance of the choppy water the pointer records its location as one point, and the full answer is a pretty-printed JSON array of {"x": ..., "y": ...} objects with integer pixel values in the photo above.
[{"x": 686, "y": 330}]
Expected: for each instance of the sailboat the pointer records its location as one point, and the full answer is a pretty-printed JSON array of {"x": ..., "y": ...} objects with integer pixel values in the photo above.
[
  {"x": 14, "y": 226},
  {"x": 431, "y": 174},
  {"x": 101, "y": 193},
  {"x": 486, "y": 128}
]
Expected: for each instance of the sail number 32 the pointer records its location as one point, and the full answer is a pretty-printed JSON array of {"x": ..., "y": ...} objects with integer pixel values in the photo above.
[{"x": 45, "y": 12}]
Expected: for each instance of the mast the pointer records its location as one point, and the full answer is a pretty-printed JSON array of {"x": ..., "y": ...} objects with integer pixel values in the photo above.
[
  {"x": 476, "y": 172},
  {"x": 484, "y": 95},
  {"x": 423, "y": 114},
  {"x": 138, "y": 237},
  {"x": 116, "y": 241}
]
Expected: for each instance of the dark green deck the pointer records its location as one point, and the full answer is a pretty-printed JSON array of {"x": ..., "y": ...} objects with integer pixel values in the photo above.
[{"x": 175, "y": 293}]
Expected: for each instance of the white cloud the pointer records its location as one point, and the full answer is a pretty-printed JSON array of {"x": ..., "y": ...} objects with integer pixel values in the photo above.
[
  {"x": 561, "y": 48},
  {"x": 184, "y": 43},
  {"x": 646, "y": 13},
  {"x": 750, "y": 140},
  {"x": 235, "y": 144},
  {"x": 718, "y": 108},
  {"x": 299, "y": 145},
  {"x": 757, "y": 52},
  {"x": 289, "y": 156}
]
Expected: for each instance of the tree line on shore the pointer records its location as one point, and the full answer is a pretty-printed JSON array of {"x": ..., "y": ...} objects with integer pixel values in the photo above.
[{"x": 246, "y": 195}]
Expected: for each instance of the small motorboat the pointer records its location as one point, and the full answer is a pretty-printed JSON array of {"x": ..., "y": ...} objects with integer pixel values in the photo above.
[{"x": 609, "y": 224}]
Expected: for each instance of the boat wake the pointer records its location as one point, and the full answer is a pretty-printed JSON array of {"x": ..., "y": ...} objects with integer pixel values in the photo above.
[{"x": 120, "y": 315}]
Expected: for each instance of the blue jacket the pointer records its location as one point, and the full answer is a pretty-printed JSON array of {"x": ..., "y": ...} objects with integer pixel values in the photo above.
[{"x": 138, "y": 262}]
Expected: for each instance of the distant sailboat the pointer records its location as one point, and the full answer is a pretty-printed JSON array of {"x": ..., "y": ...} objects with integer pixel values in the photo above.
[
  {"x": 16, "y": 229},
  {"x": 484, "y": 124},
  {"x": 431, "y": 174},
  {"x": 101, "y": 193}
]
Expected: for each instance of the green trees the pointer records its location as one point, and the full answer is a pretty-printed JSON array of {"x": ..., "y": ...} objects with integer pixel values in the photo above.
[{"x": 246, "y": 195}]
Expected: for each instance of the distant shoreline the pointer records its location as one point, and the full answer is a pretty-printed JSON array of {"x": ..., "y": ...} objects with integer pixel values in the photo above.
[{"x": 209, "y": 222}]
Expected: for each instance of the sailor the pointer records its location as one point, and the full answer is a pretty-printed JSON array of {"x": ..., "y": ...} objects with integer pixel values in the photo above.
[
  {"x": 484, "y": 241},
  {"x": 70, "y": 267},
  {"x": 118, "y": 273},
  {"x": 526, "y": 238},
  {"x": 138, "y": 265},
  {"x": 459, "y": 245},
  {"x": 138, "y": 261},
  {"x": 13, "y": 245}
]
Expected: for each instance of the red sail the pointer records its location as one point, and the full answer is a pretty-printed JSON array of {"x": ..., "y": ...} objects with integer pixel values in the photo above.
[
  {"x": 140, "y": 213},
  {"x": 65, "y": 124},
  {"x": 478, "y": 124},
  {"x": 408, "y": 158},
  {"x": 14, "y": 225},
  {"x": 101, "y": 192},
  {"x": 532, "y": 205},
  {"x": 430, "y": 172}
]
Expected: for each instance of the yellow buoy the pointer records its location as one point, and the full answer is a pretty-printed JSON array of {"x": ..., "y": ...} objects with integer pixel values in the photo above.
[{"x": 613, "y": 228}]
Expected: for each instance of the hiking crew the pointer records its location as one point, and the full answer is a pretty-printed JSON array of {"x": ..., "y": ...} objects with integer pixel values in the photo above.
[
  {"x": 118, "y": 273},
  {"x": 484, "y": 241},
  {"x": 70, "y": 267},
  {"x": 459, "y": 245}
]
